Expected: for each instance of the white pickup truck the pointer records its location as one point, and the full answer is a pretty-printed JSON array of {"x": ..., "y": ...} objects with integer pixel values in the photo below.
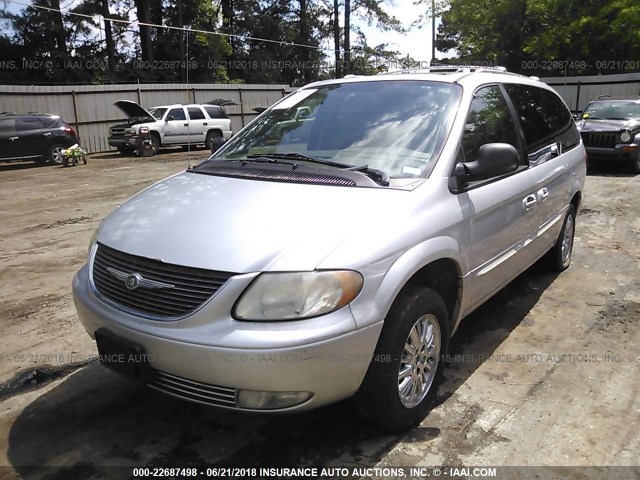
[{"x": 185, "y": 125}]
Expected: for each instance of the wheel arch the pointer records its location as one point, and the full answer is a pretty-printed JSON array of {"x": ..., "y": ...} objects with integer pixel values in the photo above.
[
  {"x": 215, "y": 129},
  {"x": 440, "y": 269},
  {"x": 576, "y": 200},
  {"x": 157, "y": 135},
  {"x": 444, "y": 277}
]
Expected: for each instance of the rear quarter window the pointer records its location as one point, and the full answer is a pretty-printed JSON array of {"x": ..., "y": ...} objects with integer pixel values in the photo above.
[
  {"x": 216, "y": 112},
  {"x": 52, "y": 122}
]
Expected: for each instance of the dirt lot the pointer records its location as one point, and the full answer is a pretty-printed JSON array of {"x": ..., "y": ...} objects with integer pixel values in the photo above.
[{"x": 546, "y": 373}]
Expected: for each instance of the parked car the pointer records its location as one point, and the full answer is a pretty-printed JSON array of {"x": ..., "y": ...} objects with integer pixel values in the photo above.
[
  {"x": 610, "y": 129},
  {"x": 332, "y": 247},
  {"x": 170, "y": 125},
  {"x": 40, "y": 137}
]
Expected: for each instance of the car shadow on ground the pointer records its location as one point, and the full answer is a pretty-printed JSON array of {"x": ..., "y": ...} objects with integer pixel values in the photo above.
[
  {"x": 97, "y": 418},
  {"x": 26, "y": 165},
  {"x": 111, "y": 155},
  {"x": 482, "y": 332}
]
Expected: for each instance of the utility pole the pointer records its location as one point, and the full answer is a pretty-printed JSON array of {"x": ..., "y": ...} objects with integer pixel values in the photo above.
[
  {"x": 347, "y": 41},
  {"x": 433, "y": 31}
]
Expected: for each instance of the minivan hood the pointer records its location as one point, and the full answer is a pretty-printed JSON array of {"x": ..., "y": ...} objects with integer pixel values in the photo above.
[
  {"x": 132, "y": 109},
  {"x": 239, "y": 225}
]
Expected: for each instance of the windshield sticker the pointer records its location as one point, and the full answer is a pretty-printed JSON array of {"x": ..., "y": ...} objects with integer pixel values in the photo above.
[
  {"x": 294, "y": 99},
  {"x": 411, "y": 170}
]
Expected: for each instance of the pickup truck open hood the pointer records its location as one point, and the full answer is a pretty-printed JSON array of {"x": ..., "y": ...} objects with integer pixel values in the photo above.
[
  {"x": 132, "y": 109},
  {"x": 242, "y": 225}
]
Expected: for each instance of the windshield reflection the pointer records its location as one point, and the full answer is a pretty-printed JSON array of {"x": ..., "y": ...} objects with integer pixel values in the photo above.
[{"x": 396, "y": 126}]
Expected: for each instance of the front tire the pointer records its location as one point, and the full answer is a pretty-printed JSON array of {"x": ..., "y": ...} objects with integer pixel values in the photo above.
[
  {"x": 634, "y": 166},
  {"x": 214, "y": 140},
  {"x": 559, "y": 257},
  {"x": 155, "y": 143},
  {"x": 400, "y": 385}
]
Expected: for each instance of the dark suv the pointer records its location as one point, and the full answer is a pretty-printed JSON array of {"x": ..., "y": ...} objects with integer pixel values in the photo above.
[
  {"x": 40, "y": 137},
  {"x": 610, "y": 129}
]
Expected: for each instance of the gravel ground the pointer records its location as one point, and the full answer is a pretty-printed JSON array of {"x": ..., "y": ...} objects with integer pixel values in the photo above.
[{"x": 545, "y": 373}]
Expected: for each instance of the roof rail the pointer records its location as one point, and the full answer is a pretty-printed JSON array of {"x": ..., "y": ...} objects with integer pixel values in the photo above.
[
  {"x": 606, "y": 95},
  {"x": 449, "y": 69}
]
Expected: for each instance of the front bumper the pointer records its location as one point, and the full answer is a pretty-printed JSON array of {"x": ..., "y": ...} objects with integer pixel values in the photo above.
[
  {"x": 329, "y": 358},
  {"x": 622, "y": 153},
  {"x": 123, "y": 141}
]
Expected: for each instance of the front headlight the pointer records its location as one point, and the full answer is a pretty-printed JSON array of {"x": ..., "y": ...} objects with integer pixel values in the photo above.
[
  {"x": 92, "y": 242},
  {"x": 625, "y": 137},
  {"x": 298, "y": 295}
]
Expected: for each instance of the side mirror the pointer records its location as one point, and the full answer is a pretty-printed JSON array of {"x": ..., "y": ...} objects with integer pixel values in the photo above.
[
  {"x": 169, "y": 118},
  {"x": 576, "y": 116},
  {"x": 494, "y": 159}
]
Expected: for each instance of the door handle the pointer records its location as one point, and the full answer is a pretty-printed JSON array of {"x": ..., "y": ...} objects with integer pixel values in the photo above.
[
  {"x": 543, "y": 193},
  {"x": 46, "y": 134},
  {"x": 13, "y": 138},
  {"x": 205, "y": 123},
  {"x": 529, "y": 202},
  {"x": 186, "y": 124}
]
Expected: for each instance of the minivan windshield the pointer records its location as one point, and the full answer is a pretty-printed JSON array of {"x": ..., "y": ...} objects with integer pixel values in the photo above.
[{"x": 396, "y": 127}]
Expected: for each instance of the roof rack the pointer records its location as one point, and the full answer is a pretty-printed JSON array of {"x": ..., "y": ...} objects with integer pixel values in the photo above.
[
  {"x": 466, "y": 69},
  {"x": 449, "y": 69}
]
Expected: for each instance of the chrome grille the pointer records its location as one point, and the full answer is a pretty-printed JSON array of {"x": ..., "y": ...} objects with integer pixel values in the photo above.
[
  {"x": 600, "y": 140},
  {"x": 283, "y": 176},
  {"x": 117, "y": 131},
  {"x": 191, "y": 286},
  {"x": 193, "y": 391}
]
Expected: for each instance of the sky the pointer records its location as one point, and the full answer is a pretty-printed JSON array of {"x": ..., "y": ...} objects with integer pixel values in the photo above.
[{"x": 416, "y": 43}]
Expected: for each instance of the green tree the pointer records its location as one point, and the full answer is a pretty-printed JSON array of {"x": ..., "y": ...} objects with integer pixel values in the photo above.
[
  {"x": 566, "y": 36},
  {"x": 368, "y": 60},
  {"x": 582, "y": 34},
  {"x": 372, "y": 12},
  {"x": 485, "y": 31},
  {"x": 40, "y": 36}
]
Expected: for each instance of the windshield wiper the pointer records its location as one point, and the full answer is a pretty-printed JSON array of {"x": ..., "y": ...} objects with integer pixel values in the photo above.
[
  {"x": 298, "y": 156},
  {"x": 260, "y": 159},
  {"x": 378, "y": 176}
]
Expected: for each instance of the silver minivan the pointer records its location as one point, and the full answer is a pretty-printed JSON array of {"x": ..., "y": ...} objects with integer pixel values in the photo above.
[{"x": 331, "y": 248}]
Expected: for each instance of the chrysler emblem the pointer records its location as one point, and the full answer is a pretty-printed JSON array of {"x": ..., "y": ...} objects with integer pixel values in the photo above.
[{"x": 135, "y": 280}]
